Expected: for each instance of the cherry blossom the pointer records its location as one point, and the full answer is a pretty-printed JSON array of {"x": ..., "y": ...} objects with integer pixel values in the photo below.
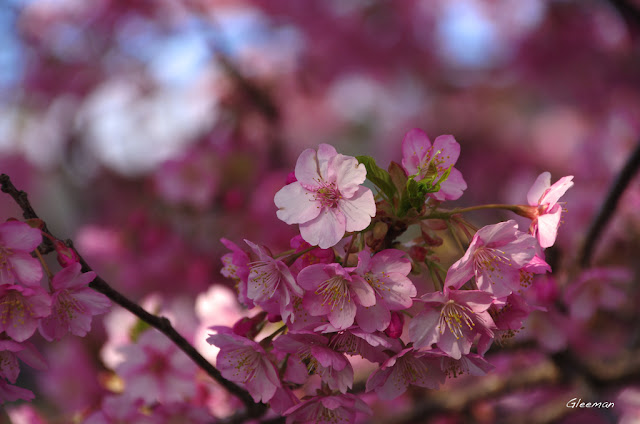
[
  {"x": 547, "y": 211},
  {"x": 21, "y": 309},
  {"x": 495, "y": 256},
  {"x": 155, "y": 370},
  {"x": 407, "y": 367},
  {"x": 327, "y": 199},
  {"x": 452, "y": 320},
  {"x": 270, "y": 280},
  {"x": 313, "y": 349},
  {"x": 244, "y": 361},
  {"x": 334, "y": 293},
  {"x": 423, "y": 160},
  {"x": 73, "y": 304},
  {"x": 17, "y": 241},
  {"x": 386, "y": 272},
  {"x": 597, "y": 288}
]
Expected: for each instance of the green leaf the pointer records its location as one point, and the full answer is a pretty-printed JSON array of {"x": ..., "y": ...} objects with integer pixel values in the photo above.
[{"x": 378, "y": 176}]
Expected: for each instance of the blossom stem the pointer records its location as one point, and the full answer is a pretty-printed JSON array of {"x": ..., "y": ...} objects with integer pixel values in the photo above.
[
  {"x": 270, "y": 337},
  {"x": 291, "y": 259},
  {"x": 445, "y": 214},
  {"x": 44, "y": 266},
  {"x": 160, "y": 323}
]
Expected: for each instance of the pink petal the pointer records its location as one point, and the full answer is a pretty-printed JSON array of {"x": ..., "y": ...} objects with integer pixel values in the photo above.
[
  {"x": 326, "y": 153},
  {"x": 19, "y": 236},
  {"x": 548, "y": 227},
  {"x": 95, "y": 303},
  {"x": 26, "y": 268},
  {"x": 394, "y": 386},
  {"x": 415, "y": 146},
  {"x": 391, "y": 260},
  {"x": 423, "y": 328},
  {"x": 296, "y": 205},
  {"x": 542, "y": 183},
  {"x": 349, "y": 174},
  {"x": 358, "y": 210},
  {"x": 325, "y": 230},
  {"x": 452, "y": 188},
  {"x": 376, "y": 317},
  {"x": 446, "y": 150},
  {"x": 310, "y": 277},
  {"x": 557, "y": 190},
  {"x": 399, "y": 291},
  {"x": 363, "y": 292},
  {"x": 342, "y": 318},
  {"x": 307, "y": 168},
  {"x": 498, "y": 234}
]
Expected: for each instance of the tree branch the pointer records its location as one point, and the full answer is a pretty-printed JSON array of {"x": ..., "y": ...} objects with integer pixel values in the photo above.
[
  {"x": 158, "y": 322},
  {"x": 609, "y": 206}
]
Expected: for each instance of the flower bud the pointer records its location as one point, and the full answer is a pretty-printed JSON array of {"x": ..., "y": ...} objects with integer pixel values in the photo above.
[
  {"x": 394, "y": 330},
  {"x": 66, "y": 255}
]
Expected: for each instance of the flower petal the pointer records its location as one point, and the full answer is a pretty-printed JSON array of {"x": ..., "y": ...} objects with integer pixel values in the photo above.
[
  {"x": 296, "y": 205},
  {"x": 326, "y": 229},
  {"x": 358, "y": 210}
]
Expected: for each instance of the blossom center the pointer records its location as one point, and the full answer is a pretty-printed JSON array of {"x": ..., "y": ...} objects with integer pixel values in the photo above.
[
  {"x": 328, "y": 195},
  {"x": 376, "y": 283},
  {"x": 411, "y": 369},
  {"x": 335, "y": 292},
  {"x": 490, "y": 260},
  {"x": 266, "y": 275},
  {"x": 431, "y": 167},
  {"x": 13, "y": 307},
  {"x": 454, "y": 317},
  {"x": 67, "y": 306}
]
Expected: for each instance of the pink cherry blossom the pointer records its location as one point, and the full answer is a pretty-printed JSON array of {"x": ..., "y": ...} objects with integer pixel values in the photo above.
[
  {"x": 327, "y": 199},
  {"x": 156, "y": 370},
  {"x": 386, "y": 272},
  {"x": 17, "y": 241},
  {"x": 597, "y": 288},
  {"x": 313, "y": 349},
  {"x": 11, "y": 351},
  {"x": 21, "y": 309},
  {"x": 271, "y": 281},
  {"x": 73, "y": 304},
  {"x": 452, "y": 320},
  {"x": 546, "y": 215},
  {"x": 244, "y": 361},
  {"x": 494, "y": 257},
  {"x": 423, "y": 160},
  {"x": 334, "y": 293},
  {"x": 342, "y": 408},
  {"x": 408, "y": 367}
]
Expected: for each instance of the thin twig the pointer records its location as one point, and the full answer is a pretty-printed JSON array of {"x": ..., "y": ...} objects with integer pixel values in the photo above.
[
  {"x": 609, "y": 206},
  {"x": 160, "y": 323}
]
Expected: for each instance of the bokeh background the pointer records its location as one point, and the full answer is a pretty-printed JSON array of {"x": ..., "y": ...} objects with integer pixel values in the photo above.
[{"x": 146, "y": 130}]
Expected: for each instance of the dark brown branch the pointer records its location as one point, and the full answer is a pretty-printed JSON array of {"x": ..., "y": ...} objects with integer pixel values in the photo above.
[
  {"x": 609, "y": 206},
  {"x": 160, "y": 323}
]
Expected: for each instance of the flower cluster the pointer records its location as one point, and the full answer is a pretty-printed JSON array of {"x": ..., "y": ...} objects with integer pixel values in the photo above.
[
  {"x": 344, "y": 290},
  {"x": 25, "y": 306}
]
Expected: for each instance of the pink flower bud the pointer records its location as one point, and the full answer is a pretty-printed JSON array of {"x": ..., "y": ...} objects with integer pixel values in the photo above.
[
  {"x": 66, "y": 255},
  {"x": 248, "y": 327},
  {"x": 394, "y": 330}
]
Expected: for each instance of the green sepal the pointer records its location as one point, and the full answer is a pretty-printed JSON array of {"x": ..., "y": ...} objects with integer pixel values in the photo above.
[{"x": 378, "y": 176}]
